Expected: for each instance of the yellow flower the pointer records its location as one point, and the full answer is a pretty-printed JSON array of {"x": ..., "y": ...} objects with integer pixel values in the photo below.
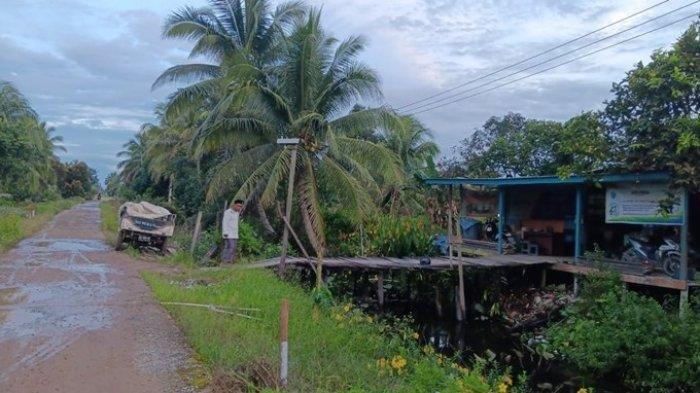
[
  {"x": 338, "y": 317},
  {"x": 502, "y": 388},
  {"x": 347, "y": 307},
  {"x": 369, "y": 319},
  {"x": 415, "y": 335},
  {"x": 398, "y": 362},
  {"x": 584, "y": 390},
  {"x": 509, "y": 381}
]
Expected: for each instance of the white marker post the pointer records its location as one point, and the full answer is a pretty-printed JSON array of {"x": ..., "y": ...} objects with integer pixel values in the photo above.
[{"x": 284, "y": 345}]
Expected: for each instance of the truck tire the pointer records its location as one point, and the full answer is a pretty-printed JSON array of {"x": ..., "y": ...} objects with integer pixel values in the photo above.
[
  {"x": 164, "y": 246},
  {"x": 120, "y": 241}
]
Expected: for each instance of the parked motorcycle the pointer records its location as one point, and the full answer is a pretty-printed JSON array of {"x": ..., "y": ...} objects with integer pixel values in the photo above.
[{"x": 666, "y": 257}]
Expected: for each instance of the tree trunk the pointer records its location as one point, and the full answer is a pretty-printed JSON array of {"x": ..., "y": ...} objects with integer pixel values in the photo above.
[
  {"x": 264, "y": 219},
  {"x": 171, "y": 180}
]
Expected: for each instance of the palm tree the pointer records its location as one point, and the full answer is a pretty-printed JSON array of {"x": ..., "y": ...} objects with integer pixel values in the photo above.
[
  {"x": 134, "y": 156},
  {"x": 306, "y": 95},
  {"x": 13, "y": 105},
  {"x": 413, "y": 143},
  {"x": 223, "y": 33}
]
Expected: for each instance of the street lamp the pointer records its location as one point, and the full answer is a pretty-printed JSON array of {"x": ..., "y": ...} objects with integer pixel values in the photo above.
[{"x": 293, "y": 143}]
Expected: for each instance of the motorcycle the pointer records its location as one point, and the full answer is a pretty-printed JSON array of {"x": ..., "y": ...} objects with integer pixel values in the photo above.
[{"x": 666, "y": 257}]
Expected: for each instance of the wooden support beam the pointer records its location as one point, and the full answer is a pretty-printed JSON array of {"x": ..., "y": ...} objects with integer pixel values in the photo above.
[
  {"x": 438, "y": 301},
  {"x": 380, "y": 289},
  {"x": 656, "y": 281},
  {"x": 462, "y": 300},
  {"x": 458, "y": 310},
  {"x": 449, "y": 222},
  {"x": 288, "y": 210},
  {"x": 578, "y": 224}
]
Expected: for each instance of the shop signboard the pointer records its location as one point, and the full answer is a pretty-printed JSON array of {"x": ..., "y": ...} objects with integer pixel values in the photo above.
[{"x": 642, "y": 204}]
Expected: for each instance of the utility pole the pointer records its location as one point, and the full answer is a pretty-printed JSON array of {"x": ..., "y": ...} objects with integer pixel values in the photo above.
[{"x": 294, "y": 142}]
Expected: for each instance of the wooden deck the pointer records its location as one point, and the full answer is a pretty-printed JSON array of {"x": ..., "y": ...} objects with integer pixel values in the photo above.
[
  {"x": 436, "y": 263},
  {"x": 628, "y": 274}
]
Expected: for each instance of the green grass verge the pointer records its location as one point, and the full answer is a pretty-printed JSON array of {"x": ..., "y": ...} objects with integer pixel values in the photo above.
[
  {"x": 338, "y": 349},
  {"x": 110, "y": 220},
  {"x": 15, "y": 223}
]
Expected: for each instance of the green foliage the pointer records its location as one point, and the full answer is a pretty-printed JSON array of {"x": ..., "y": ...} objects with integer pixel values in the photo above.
[
  {"x": 516, "y": 146},
  {"x": 75, "y": 179},
  {"x": 400, "y": 236},
  {"x": 16, "y": 222},
  {"x": 110, "y": 220},
  {"x": 27, "y": 147},
  {"x": 333, "y": 349},
  {"x": 653, "y": 115},
  {"x": 616, "y": 333}
]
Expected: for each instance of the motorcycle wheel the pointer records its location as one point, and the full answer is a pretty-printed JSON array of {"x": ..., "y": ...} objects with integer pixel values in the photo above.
[{"x": 672, "y": 265}]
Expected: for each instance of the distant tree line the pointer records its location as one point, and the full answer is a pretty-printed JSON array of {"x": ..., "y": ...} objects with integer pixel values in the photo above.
[{"x": 29, "y": 168}]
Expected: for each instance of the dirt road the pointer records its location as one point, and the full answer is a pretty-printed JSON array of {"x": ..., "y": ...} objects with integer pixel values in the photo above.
[{"x": 76, "y": 316}]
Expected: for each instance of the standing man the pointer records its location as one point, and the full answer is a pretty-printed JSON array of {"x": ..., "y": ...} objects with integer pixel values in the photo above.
[{"x": 229, "y": 229}]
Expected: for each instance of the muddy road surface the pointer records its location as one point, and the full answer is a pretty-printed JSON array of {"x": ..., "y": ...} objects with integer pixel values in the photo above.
[{"x": 76, "y": 316}]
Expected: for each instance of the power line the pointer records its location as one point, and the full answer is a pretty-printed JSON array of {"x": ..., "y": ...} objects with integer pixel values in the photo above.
[
  {"x": 557, "y": 65},
  {"x": 550, "y": 59},
  {"x": 535, "y": 55}
]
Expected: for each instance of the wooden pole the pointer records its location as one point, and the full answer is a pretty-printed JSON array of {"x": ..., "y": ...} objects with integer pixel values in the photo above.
[
  {"x": 288, "y": 211},
  {"x": 462, "y": 300},
  {"x": 577, "y": 234},
  {"x": 458, "y": 309},
  {"x": 683, "y": 271},
  {"x": 438, "y": 304},
  {"x": 284, "y": 344},
  {"x": 197, "y": 229},
  {"x": 449, "y": 222},
  {"x": 380, "y": 289},
  {"x": 362, "y": 239}
]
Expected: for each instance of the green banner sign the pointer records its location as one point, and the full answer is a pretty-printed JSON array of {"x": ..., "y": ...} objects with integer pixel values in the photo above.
[{"x": 652, "y": 204}]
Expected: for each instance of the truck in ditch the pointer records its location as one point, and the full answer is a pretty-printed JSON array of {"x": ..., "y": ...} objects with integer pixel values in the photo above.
[{"x": 145, "y": 224}]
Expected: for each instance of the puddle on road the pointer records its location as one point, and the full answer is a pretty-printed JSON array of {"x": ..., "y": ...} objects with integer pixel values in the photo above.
[
  {"x": 46, "y": 315},
  {"x": 61, "y": 245}
]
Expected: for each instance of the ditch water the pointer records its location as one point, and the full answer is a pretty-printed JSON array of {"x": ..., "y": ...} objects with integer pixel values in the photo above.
[{"x": 479, "y": 334}]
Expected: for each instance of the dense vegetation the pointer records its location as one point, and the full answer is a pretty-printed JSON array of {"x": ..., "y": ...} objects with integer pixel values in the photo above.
[
  {"x": 614, "y": 334},
  {"x": 29, "y": 168}
]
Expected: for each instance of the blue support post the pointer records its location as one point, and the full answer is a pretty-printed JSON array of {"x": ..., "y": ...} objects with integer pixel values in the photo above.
[
  {"x": 501, "y": 218},
  {"x": 577, "y": 224}
]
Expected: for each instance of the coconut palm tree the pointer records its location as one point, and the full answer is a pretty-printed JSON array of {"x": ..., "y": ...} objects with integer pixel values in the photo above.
[
  {"x": 413, "y": 143},
  {"x": 134, "y": 156},
  {"x": 223, "y": 33},
  {"x": 305, "y": 95}
]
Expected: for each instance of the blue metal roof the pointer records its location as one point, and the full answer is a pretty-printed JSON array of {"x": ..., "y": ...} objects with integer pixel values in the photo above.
[{"x": 641, "y": 177}]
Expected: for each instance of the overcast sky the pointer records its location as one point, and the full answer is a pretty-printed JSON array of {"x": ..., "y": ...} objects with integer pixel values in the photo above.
[{"x": 87, "y": 66}]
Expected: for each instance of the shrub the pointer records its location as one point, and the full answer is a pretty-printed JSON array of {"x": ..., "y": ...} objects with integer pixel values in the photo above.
[
  {"x": 616, "y": 334},
  {"x": 400, "y": 236}
]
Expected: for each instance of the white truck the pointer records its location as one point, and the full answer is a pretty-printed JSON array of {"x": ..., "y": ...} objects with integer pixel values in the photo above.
[{"x": 145, "y": 224}]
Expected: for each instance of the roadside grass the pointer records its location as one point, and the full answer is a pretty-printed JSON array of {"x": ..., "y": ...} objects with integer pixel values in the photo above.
[
  {"x": 331, "y": 349},
  {"x": 110, "y": 221},
  {"x": 16, "y": 223}
]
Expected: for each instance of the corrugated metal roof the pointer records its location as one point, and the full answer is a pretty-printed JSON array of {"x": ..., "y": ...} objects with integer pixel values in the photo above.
[{"x": 640, "y": 177}]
